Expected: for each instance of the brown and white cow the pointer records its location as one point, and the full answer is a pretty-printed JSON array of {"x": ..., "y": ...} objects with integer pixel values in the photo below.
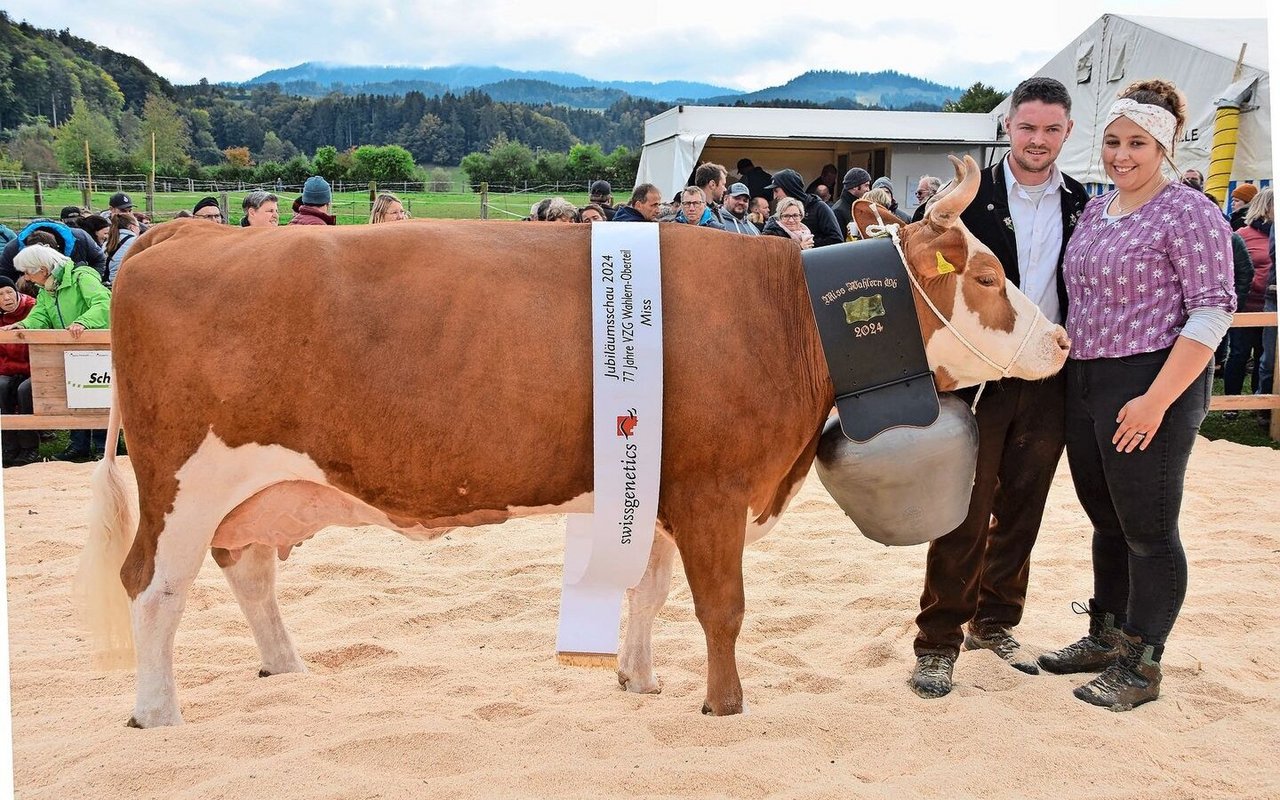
[{"x": 428, "y": 375}]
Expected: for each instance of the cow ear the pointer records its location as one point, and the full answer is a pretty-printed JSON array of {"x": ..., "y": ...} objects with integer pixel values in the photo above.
[
  {"x": 867, "y": 214},
  {"x": 933, "y": 254}
]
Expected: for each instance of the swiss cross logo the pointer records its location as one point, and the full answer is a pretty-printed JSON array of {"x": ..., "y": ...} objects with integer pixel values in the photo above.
[{"x": 627, "y": 424}]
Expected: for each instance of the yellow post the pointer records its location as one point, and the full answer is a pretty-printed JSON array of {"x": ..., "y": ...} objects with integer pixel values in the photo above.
[
  {"x": 88, "y": 167},
  {"x": 1226, "y": 130}
]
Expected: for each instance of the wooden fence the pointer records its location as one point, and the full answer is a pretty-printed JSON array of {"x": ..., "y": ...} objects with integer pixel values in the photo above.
[{"x": 49, "y": 397}]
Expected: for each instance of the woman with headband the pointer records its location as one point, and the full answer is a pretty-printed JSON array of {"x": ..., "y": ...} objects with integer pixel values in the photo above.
[{"x": 1150, "y": 294}]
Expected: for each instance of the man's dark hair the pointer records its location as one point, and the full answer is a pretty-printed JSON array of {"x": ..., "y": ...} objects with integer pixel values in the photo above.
[
  {"x": 1047, "y": 90},
  {"x": 44, "y": 237},
  {"x": 707, "y": 173},
  {"x": 642, "y": 192},
  {"x": 744, "y": 164}
]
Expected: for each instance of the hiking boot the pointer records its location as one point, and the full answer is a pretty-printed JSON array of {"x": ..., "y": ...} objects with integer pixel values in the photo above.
[
  {"x": 1002, "y": 643},
  {"x": 1094, "y": 652},
  {"x": 1131, "y": 680},
  {"x": 21, "y": 458},
  {"x": 932, "y": 676}
]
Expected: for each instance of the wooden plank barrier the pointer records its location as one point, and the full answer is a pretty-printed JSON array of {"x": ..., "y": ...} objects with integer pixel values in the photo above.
[
  {"x": 1239, "y": 402},
  {"x": 48, "y": 379}
]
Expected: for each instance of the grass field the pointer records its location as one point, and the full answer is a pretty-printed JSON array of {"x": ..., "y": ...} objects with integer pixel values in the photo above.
[{"x": 17, "y": 207}]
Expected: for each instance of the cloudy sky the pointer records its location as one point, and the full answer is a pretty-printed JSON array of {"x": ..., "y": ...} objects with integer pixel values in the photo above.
[{"x": 744, "y": 45}]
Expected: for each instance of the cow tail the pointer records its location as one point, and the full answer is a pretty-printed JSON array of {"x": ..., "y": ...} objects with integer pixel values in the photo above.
[{"x": 98, "y": 593}]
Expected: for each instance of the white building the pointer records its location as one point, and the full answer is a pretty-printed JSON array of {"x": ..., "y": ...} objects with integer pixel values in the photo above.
[{"x": 901, "y": 144}]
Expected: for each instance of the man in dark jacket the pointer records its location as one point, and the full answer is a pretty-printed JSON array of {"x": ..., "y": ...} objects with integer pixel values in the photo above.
[
  {"x": 817, "y": 214},
  {"x": 73, "y": 242},
  {"x": 977, "y": 574},
  {"x": 756, "y": 179},
  {"x": 856, "y": 183},
  {"x": 645, "y": 202}
]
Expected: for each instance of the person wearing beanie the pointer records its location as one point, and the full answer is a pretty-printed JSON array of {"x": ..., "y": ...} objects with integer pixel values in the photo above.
[
  {"x": 1240, "y": 200},
  {"x": 856, "y": 183},
  {"x": 312, "y": 208},
  {"x": 207, "y": 209},
  {"x": 885, "y": 183},
  {"x": 19, "y": 447}
]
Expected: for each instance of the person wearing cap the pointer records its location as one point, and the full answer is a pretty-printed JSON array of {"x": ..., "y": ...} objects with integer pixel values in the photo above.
[
  {"x": 602, "y": 195},
  {"x": 70, "y": 214},
  {"x": 312, "y": 208},
  {"x": 119, "y": 203},
  {"x": 755, "y": 178},
  {"x": 207, "y": 209},
  {"x": 856, "y": 183},
  {"x": 818, "y": 217},
  {"x": 19, "y": 447},
  {"x": 1241, "y": 197},
  {"x": 734, "y": 211}
]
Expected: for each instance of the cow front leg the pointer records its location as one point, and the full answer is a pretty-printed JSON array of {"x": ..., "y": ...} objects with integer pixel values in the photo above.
[
  {"x": 644, "y": 601},
  {"x": 252, "y": 577},
  {"x": 156, "y": 612},
  {"x": 712, "y": 555}
]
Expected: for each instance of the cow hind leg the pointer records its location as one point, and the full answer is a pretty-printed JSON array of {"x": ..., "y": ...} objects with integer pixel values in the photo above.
[
  {"x": 156, "y": 611},
  {"x": 252, "y": 577},
  {"x": 644, "y": 601},
  {"x": 711, "y": 550}
]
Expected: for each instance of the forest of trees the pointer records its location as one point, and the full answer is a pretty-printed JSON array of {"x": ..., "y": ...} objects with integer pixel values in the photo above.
[{"x": 58, "y": 92}]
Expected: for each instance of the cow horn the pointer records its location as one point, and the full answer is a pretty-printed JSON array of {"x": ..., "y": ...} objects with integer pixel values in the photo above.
[{"x": 945, "y": 209}]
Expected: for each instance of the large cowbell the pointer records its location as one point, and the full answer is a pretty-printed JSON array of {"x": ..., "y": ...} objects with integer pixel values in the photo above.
[{"x": 901, "y": 459}]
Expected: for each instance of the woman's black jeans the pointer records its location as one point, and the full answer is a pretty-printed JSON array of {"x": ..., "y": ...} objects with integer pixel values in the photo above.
[{"x": 1133, "y": 499}]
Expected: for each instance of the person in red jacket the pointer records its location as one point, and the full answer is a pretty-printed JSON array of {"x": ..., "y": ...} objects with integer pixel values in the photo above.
[
  {"x": 312, "y": 208},
  {"x": 19, "y": 447}
]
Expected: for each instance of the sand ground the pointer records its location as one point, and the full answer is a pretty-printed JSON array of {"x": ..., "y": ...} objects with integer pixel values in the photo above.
[{"x": 433, "y": 671}]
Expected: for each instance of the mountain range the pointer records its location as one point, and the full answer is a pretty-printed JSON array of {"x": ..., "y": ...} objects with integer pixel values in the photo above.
[{"x": 885, "y": 89}]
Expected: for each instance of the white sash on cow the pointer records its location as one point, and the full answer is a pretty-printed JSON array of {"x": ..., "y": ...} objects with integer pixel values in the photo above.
[{"x": 606, "y": 552}]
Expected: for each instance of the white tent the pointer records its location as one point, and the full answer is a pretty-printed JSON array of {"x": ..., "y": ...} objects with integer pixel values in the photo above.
[
  {"x": 1198, "y": 55},
  {"x": 901, "y": 144}
]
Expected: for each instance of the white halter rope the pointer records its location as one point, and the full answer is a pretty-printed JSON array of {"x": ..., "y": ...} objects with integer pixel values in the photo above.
[{"x": 891, "y": 230}]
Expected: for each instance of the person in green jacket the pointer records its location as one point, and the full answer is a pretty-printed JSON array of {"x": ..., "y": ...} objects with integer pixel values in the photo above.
[{"x": 71, "y": 296}]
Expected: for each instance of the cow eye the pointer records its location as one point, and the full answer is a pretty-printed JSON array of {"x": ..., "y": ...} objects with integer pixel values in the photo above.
[{"x": 987, "y": 280}]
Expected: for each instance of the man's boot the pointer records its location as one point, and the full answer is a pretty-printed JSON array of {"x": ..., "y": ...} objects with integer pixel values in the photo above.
[
  {"x": 932, "y": 676},
  {"x": 1093, "y": 652},
  {"x": 1131, "y": 680},
  {"x": 1001, "y": 642}
]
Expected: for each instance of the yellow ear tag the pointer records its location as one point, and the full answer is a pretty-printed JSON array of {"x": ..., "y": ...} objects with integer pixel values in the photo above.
[{"x": 944, "y": 266}]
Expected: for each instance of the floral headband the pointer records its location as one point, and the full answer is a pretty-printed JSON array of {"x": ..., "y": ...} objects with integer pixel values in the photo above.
[{"x": 1153, "y": 119}]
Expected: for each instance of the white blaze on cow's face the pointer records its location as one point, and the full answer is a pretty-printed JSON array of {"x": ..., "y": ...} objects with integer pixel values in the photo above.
[{"x": 994, "y": 317}]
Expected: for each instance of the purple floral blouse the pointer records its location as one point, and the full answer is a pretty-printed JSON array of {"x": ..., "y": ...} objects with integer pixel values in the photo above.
[{"x": 1132, "y": 281}]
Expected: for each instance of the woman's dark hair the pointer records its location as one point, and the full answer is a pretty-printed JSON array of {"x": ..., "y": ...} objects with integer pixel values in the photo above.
[
  {"x": 92, "y": 223},
  {"x": 119, "y": 222},
  {"x": 595, "y": 206}
]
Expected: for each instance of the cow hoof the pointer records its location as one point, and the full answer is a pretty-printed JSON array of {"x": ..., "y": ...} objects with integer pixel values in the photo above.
[
  {"x": 724, "y": 712},
  {"x": 652, "y": 686},
  {"x": 158, "y": 721}
]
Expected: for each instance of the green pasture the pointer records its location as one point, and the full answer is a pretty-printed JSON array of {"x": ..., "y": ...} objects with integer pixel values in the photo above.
[{"x": 17, "y": 206}]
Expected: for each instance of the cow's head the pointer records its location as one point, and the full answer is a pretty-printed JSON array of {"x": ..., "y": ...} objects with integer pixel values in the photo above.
[{"x": 968, "y": 286}]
